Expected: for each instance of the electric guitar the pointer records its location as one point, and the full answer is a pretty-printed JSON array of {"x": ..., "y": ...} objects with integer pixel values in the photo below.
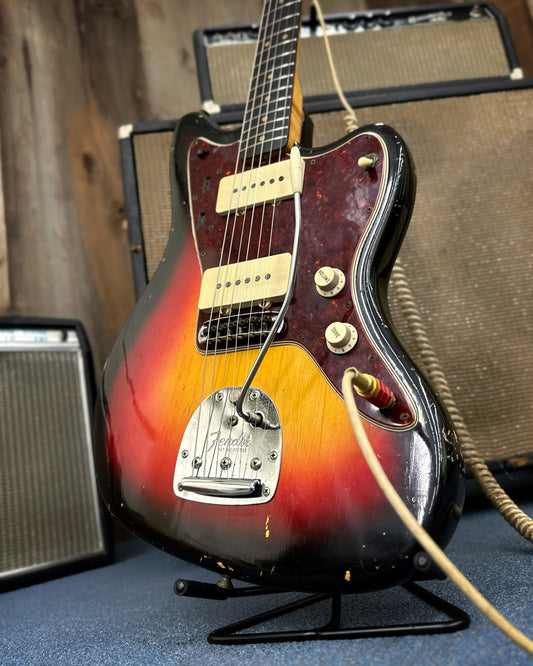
[{"x": 223, "y": 435}]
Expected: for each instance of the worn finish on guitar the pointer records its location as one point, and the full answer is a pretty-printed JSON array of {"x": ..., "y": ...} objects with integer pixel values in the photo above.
[
  {"x": 327, "y": 526},
  {"x": 331, "y": 242}
]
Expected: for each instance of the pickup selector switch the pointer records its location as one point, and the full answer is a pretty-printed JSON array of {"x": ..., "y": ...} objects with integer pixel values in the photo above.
[
  {"x": 340, "y": 337},
  {"x": 368, "y": 162},
  {"x": 329, "y": 281}
]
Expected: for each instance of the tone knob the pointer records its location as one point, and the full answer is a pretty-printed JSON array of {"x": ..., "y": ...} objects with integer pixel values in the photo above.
[
  {"x": 340, "y": 337},
  {"x": 329, "y": 281}
]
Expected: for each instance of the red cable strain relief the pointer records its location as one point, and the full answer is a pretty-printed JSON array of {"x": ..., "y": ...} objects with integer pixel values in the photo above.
[{"x": 382, "y": 397}]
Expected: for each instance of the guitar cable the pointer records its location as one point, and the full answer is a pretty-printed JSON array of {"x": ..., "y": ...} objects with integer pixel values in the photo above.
[
  {"x": 520, "y": 521},
  {"x": 418, "y": 532},
  {"x": 350, "y": 119}
]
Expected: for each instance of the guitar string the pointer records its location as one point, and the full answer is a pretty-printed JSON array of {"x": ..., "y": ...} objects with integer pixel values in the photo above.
[
  {"x": 221, "y": 265},
  {"x": 219, "y": 280},
  {"x": 280, "y": 51},
  {"x": 215, "y": 459},
  {"x": 236, "y": 187},
  {"x": 247, "y": 142},
  {"x": 269, "y": 82},
  {"x": 267, "y": 91},
  {"x": 287, "y": 35}
]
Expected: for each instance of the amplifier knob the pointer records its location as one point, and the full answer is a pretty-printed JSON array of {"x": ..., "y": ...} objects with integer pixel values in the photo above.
[
  {"x": 329, "y": 281},
  {"x": 340, "y": 337}
]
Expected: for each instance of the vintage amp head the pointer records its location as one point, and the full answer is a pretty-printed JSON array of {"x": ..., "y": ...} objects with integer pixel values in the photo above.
[{"x": 373, "y": 51}]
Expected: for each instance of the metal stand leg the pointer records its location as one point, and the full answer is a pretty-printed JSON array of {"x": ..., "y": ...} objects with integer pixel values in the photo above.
[{"x": 228, "y": 635}]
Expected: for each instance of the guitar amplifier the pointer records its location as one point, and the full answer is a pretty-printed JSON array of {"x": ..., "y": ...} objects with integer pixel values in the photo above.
[
  {"x": 51, "y": 522},
  {"x": 375, "y": 51},
  {"x": 468, "y": 253}
]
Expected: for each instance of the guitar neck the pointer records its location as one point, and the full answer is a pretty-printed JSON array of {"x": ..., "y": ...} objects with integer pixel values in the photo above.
[{"x": 267, "y": 117}]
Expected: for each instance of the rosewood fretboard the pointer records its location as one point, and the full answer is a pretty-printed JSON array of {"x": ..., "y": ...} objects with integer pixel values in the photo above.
[{"x": 268, "y": 109}]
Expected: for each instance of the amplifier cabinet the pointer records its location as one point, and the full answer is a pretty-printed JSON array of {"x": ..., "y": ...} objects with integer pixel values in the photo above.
[
  {"x": 468, "y": 253},
  {"x": 51, "y": 519}
]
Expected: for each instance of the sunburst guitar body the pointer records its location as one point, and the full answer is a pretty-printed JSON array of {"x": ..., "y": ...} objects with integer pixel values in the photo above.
[{"x": 290, "y": 501}]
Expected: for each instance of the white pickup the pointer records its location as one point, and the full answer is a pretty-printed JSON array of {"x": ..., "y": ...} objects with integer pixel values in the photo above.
[
  {"x": 245, "y": 283},
  {"x": 257, "y": 186}
]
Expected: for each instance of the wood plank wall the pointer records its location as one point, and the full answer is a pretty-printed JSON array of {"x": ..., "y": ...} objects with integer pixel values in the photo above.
[{"x": 72, "y": 72}]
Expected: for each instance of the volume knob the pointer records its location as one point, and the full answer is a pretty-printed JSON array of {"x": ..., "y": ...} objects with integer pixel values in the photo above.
[
  {"x": 340, "y": 337},
  {"x": 329, "y": 281}
]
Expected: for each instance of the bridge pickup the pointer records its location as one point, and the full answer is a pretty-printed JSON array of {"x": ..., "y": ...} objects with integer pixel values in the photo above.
[
  {"x": 245, "y": 283},
  {"x": 221, "y": 487}
]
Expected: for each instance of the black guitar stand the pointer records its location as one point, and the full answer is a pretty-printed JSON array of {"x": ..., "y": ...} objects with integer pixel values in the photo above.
[{"x": 228, "y": 635}]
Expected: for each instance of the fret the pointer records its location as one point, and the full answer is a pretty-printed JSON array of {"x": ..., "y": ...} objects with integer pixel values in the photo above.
[
  {"x": 272, "y": 56},
  {"x": 275, "y": 140},
  {"x": 294, "y": 15},
  {"x": 266, "y": 141},
  {"x": 280, "y": 79},
  {"x": 257, "y": 124},
  {"x": 285, "y": 6},
  {"x": 265, "y": 131},
  {"x": 268, "y": 100},
  {"x": 270, "y": 62},
  {"x": 272, "y": 110},
  {"x": 275, "y": 55},
  {"x": 282, "y": 35},
  {"x": 280, "y": 32},
  {"x": 268, "y": 103}
]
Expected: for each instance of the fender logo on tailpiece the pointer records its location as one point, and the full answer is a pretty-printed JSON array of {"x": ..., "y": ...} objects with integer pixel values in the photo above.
[{"x": 238, "y": 463}]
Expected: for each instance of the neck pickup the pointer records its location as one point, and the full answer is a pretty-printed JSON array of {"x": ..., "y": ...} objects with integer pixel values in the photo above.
[{"x": 266, "y": 184}]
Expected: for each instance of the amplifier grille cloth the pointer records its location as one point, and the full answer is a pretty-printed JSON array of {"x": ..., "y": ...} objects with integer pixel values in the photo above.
[
  {"x": 374, "y": 59},
  {"x": 468, "y": 253},
  {"x": 152, "y": 153},
  {"x": 44, "y": 458}
]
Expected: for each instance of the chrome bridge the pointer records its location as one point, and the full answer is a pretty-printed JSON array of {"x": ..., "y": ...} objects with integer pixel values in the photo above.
[
  {"x": 245, "y": 329},
  {"x": 224, "y": 459}
]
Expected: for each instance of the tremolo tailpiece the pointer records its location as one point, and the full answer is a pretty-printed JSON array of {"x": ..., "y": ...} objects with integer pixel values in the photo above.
[{"x": 225, "y": 460}]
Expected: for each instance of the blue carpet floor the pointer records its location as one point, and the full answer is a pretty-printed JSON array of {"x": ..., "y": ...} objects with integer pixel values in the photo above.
[{"x": 127, "y": 613}]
